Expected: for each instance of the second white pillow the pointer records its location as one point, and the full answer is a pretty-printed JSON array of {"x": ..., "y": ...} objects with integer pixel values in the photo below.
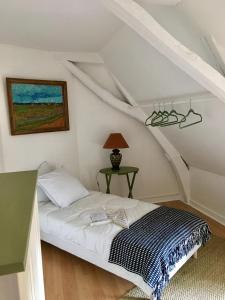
[{"x": 62, "y": 188}]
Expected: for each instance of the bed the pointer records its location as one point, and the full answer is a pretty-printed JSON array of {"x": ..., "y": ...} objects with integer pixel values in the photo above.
[{"x": 69, "y": 229}]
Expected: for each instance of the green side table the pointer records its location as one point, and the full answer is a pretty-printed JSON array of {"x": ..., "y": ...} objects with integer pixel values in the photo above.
[{"x": 122, "y": 171}]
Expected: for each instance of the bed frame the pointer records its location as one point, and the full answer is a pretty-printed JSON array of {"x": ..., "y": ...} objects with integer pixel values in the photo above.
[{"x": 97, "y": 260}]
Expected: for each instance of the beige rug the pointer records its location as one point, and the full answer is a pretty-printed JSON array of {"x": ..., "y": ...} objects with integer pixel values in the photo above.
[{"x": 201, "y": 279}]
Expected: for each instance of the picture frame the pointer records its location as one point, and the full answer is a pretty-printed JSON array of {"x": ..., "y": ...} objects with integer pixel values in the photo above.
[{"x": 37, "y": 106}]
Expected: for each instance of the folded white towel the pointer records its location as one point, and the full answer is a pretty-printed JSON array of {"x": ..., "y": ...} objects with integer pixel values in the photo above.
[{"x": 118, "y": 217}]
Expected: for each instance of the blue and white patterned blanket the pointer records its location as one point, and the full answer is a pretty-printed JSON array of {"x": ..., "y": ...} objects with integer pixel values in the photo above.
[{"x": 156, "y": 242}]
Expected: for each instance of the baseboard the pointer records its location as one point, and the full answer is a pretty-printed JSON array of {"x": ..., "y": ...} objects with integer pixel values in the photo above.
[
  {"x": 160, "y": 198},
  {"x": 209, "y": 212}
]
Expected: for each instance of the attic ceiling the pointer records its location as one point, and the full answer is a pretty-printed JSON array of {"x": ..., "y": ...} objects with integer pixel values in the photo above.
[
  {"x": 207, "y": 15},
  {"x": 148, "y": 75},
  {"x": 68, "y": 25},
  {"x": 86, "y": 25}
]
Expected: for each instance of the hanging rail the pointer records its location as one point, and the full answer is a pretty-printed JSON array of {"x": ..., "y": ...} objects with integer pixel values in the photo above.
[
  {"x": 182, "y": 99},
  {"x": 162, "y": 118}
]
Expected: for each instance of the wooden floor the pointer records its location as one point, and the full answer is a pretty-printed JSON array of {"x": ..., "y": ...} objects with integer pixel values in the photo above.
[{"x": 70, "y": 278}]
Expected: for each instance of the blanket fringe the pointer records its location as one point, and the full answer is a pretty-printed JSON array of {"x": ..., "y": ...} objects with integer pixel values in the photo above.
[{"x": 199, "y": 236}]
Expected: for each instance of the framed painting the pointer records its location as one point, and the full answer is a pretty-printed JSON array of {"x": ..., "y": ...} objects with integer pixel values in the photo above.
[{"x": 37, "y": 105}]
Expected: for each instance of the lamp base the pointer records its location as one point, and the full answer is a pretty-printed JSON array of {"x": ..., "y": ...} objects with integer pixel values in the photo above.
[{"x": 115, "y": 158}]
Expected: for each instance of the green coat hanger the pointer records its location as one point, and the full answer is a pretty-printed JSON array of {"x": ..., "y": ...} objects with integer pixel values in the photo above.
[
  {"x": 164, "y": 118},
  {"x": 183, "y": 122},
  {"x": 190, "y": 112},
  {"x": 152, "y": 116},
  {"x": 172, "y": 119},
  {"x": 176, "y": 117},
  {"x": 161, "y": 118}
]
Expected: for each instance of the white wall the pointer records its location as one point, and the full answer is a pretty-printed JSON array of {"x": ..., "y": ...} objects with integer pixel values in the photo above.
[
  {"x": 95, "y": 122},
  {"x": 208, "y": 193},
  {"x": 27, "y": 151},
  {"x": 80, "y": 149},
  {"x": 201, "y": 145}
]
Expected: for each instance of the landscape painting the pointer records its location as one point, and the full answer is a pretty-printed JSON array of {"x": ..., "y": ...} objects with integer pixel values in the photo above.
[{"x": 37, "y": 106}]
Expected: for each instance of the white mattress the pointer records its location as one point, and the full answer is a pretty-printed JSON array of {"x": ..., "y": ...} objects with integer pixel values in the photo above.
[
  {"x": 69, "y": 229},
  {"x": 72, "y": 223}
]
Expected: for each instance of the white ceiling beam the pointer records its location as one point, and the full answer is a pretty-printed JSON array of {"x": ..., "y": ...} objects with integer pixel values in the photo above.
[
  {"x": 108, "y": 97},
  {"x": 122, "y": 89},
  {"x": 148, "y": 28},
  {"x": 79, "y": 57}
]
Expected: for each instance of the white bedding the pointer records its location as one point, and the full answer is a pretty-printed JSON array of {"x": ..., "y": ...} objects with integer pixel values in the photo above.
[
  {"x": 72, "y": 223},
  {"x": 69, "y": 229}
]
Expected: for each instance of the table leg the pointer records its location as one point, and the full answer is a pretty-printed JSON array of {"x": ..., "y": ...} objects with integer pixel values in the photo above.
[
  {"x": 130, "y": 184},
  {"x": 108, "y": 180}
]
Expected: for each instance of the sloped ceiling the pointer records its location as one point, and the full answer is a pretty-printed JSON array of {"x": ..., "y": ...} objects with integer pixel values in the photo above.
[
  {"x": 176, "y": 20},
  {"x": 130, "y": 56},
  {"x": 68, "y": 25},
  {"x": 147, "y": 75},
  {"x": 143, "y": 70},
  {"x": 207, "y": 15}
]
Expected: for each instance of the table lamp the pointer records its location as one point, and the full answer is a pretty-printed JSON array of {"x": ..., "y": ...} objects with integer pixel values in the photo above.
[{"x": 115, "y": 141}]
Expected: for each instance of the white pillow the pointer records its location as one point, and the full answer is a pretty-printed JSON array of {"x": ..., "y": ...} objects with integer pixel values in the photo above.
[
  {"x": 41, "y": 196},
  {"x": 61, "y": 188},
  {"x": 43, "y": 168}
]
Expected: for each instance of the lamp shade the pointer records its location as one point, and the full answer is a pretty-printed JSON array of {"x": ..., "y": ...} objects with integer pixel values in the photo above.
[{"x": 115, "y": 141}]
